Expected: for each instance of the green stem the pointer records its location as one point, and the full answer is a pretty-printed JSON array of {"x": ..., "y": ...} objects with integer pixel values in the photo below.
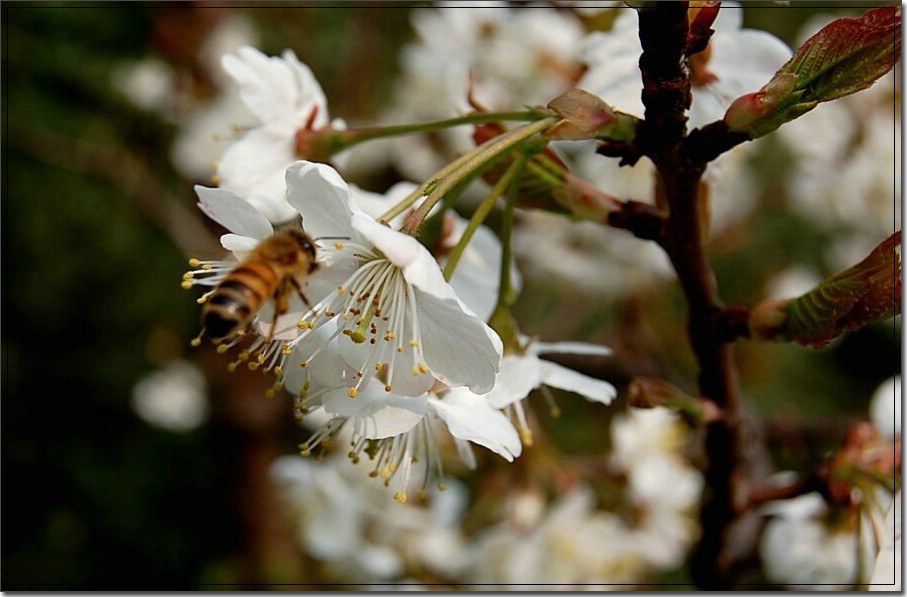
[
  {"x": 352, "y": 137},
  {"x": 481, "y": 213},
  {"x": 449, "y": 177},
  {"x": 505, "y": 288}
]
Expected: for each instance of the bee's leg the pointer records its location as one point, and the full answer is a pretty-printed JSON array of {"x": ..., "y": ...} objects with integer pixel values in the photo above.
[
  {"x": 281, "y": 306},
  {"x": 301, "y": 294}
]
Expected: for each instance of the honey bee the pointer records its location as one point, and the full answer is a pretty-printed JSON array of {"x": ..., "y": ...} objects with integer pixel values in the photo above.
[{"x": 278, "y": 265}]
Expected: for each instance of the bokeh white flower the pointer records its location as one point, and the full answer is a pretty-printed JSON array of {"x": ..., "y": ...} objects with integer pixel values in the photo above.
[{"x": 173, "y": 398}]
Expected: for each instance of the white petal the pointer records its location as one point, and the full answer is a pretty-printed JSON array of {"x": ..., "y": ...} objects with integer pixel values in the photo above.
[
  {"x": 254, "y": 167},
  {"x": 519, "y": 375},
  {"x": 375, "y": 413},
  {"x": 240, "y": 245},
  {"x": 583, "y": 348},
  {"x": 459, "y": 348},
  {"x": 886, "y": 574},
  {"x": 567, "y": 379},
  {"x": 477, "y": 277},
  {"x": 470, "y": 417},
  {"x": 319, "y": 193},
  {"x": 232, "y": 212},
  {"x": 309, "y": 94},
  {"x": 276, "y": 90}
]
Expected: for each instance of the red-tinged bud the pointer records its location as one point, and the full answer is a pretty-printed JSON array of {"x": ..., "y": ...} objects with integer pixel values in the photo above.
[
  {"x": 846, "y": 56},
  {"x": 701, "y": 16},
  {"x": 648, "y": 392},
  {"x": 587, "y": 116},
  {"x": 867, "y": 292},
  {"x": 583, "y": 114}
]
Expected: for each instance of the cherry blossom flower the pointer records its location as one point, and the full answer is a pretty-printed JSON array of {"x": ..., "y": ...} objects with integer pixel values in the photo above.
[
  {"x": 173, "y": 398},
  {"x": 522, "y": 373},
  {"x": 401, "y": 435},
  {"x": 343, "y": 520},
  {"x": 284, "y": 96},
  {"x": 800, "y": 548},
  {"x": 388, "y": 298},
  {"x": 381, "y": 299}
]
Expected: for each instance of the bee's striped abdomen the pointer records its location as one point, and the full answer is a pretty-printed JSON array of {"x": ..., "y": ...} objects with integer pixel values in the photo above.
[{"x": 238, "y": 297}]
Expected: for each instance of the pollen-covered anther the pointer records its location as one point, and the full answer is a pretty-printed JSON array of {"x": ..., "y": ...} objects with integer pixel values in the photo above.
[
  {"x": 400, "y": 497},
  {"x": 352, "y": 392},
  {"x": 526, "y": 437}
]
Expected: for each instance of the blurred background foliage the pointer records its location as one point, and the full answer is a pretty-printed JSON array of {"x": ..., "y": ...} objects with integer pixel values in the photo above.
[{"x": 97, "y": 226}]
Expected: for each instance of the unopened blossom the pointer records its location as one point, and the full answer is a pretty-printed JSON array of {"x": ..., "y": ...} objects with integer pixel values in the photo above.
[{"x": 285, "y": 98}]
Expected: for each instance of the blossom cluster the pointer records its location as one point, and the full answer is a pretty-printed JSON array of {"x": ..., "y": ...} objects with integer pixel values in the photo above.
[
  {"x": 392, "y": 331},
  {"x": 533, "y": 543},
  {"x": 376, "y": 337}
]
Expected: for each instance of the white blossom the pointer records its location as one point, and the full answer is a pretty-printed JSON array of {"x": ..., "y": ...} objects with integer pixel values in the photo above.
[
  {"x": 347, "y": 522},
  {"x": 800, "y": 549},
  {"x": 173, "y": 398},
  {"x": 380, "y": 302},
  {"x": 284, "y": 97}
]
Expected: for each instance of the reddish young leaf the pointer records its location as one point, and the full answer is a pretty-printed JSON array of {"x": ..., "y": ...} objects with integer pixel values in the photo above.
[
  {"x": 846, "y": 56},
  {"x": 867, "y": 292}
]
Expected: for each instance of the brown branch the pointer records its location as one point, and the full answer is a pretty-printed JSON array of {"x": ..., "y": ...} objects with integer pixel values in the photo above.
[{"x": 663, "y": 31}]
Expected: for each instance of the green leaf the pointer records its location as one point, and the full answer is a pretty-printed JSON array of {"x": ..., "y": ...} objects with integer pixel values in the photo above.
[{"x": 867, "y": 292}]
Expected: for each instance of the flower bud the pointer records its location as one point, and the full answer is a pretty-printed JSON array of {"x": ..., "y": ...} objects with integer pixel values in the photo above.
[{"x": 587, "y": 116}]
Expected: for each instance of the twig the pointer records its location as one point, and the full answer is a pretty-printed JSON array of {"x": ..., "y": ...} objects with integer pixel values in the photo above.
[{"x": 663, "y": 31}]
